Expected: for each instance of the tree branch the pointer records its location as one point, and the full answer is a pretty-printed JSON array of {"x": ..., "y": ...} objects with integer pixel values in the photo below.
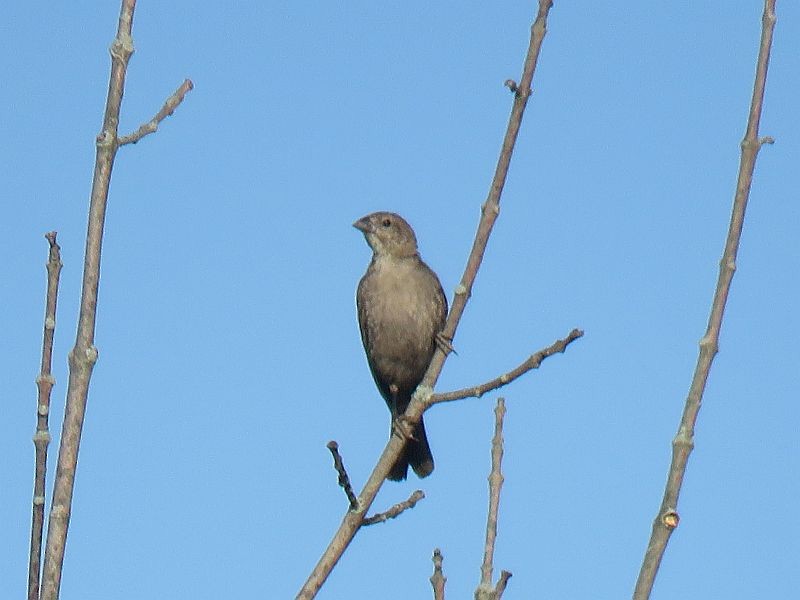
[
  {"x": 485, "y": 590},
  {"x": 41, "y": 439},
  {"x": 532, "y": 362},
  {"x": 667, "y": 518},
  {"x": 490, "y": 210},
  {"x": 152, "y": 125},
  {"x": 396, "y": 510},
  {"x": 438, "y": 579},
  {"x": 500, "y": 588},
  {"x": 83, "y": 355},
  {"x": 344, "y": 478}
]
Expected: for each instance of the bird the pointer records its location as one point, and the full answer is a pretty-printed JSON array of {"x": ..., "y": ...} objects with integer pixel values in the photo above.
[{"x": 401, "y": 313}]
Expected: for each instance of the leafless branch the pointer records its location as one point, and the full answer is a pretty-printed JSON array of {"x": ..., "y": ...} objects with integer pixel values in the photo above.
[
  {"x": 490, "y": 210},
  {"x": 485, "y": 590},
  {"x": 395, "y": 510},
  {"x": 500, "y": 588},
  {"x": 152, "y": 125},
  {"x": 532, "y": 362},
  {"x": 344, "y": 478},
  {"x": 667, "y": 518},
  {"x": 83, "y": 355},
  {"x": 438, "y": 579},
  {"x": 41, "y": 439}
]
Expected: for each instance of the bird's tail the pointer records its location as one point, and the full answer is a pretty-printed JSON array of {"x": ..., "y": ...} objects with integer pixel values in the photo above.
[{"x": 417, "y": 453}]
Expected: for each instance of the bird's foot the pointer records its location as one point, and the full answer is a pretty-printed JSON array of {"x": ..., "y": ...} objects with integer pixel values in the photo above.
[
  {"x": 402, "y": 428},
  {"x": 445, "y": 344}
]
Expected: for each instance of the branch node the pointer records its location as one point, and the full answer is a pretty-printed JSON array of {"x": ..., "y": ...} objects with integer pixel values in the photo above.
[
  {"x": 122, "y": 47},
  {"x": 105, "y": 140},
  {"x": 92, "y": 354},
  {"x": 45, "y": 378},
  {"x": 423, "y": 394},
  {"x": 41, "y": 436},
  {"x": 670, "y": 519}
]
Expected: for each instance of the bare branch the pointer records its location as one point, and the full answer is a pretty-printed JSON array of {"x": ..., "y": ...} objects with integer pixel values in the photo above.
[
  {"x": 152, "y": 125},
  {"x": 395, "y": 510},
  {"x": 438, "y": 579},
  {"x": 41, "y": 439},
  {"x": 667, "y": 518},
  {"x": 484, "y": 590},
  {"x": 532, "y": 362},
  {"x": 500, "y": 588},
  {"x": 491, "y": 208},
  {"x": 83, "y": 355},
  {"x": 344, "y": 478}
]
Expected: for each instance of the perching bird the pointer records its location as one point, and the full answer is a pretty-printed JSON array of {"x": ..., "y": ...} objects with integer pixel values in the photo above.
[{"x": 401, "y": 311}]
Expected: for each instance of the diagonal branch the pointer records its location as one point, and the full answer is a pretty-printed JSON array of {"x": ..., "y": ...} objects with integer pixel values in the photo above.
[
  {"x": 41, "y": 439},
  {"x": 396, "y": 510},
  {"x": 344, "y": 478},
  {"x": 490, "y": 210},
  {"x": 667, "y": 518},
  {"x": 533, "y": 362},
  {"x": 152, "y": 125}
]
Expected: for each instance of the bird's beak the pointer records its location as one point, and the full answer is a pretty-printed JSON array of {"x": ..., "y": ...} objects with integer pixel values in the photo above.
[{"x": 363, "y": 224}]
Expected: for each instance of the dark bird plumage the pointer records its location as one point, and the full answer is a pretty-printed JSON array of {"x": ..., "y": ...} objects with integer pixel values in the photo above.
[{"x": 401, "y": 310}]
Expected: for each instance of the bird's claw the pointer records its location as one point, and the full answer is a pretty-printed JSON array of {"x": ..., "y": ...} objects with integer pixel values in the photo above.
[
  {"x": 445, "y": 344},
  {"x": 403, "y": 429}
]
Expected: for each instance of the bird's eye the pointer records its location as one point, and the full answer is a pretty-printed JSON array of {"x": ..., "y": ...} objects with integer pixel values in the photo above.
[{"x": 386, "y": 222}]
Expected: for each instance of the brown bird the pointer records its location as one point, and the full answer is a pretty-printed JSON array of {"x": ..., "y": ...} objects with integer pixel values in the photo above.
[{"x": 401, "y": 311}]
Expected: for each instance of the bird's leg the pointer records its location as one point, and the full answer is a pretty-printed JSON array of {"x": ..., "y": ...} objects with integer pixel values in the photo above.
[
  {"x": 400, "y": 425},
  {"x": 445, "y": 343}
]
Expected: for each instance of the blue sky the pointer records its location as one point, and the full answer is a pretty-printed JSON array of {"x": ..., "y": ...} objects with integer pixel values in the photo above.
[{"x": 229, "y": 350}]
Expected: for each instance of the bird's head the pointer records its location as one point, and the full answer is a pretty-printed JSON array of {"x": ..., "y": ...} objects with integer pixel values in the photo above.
[{"x": 388, "y": 234}]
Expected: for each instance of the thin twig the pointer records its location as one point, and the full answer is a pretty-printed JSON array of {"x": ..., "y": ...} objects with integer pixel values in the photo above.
[
  {"x": 491, "y": 208},
  {"x": 485, "y": 590},
  {"x": 667, "y": 518},
  {"x": 41, "y": 439},
  {"x": 438, "y": 579},
  {"x": 344, "y": 478},
  {"x": 532, "y": 362},
  {"x": 396, "y": 510},
  {"x": 152, "y": 125},
  {"x": 83, "y": 355}
]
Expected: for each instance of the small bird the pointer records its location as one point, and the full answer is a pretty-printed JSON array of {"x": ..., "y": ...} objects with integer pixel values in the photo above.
[{"x": 401, "y": 312}]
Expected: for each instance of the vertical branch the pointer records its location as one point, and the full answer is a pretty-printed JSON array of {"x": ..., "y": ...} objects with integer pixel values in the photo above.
[
  {"x": 438, "y": 579},
  {"x": 667, "y": 518},
  {"x": 353, "y": 520},
  {"x": 84, "y": 354},
  {"x": 41, "y": 439},
  {"x": 485, "y": 590}
]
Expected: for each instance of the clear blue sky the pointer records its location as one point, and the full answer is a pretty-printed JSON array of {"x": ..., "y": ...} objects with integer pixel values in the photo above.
[{"x": 229, "y": 351}]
